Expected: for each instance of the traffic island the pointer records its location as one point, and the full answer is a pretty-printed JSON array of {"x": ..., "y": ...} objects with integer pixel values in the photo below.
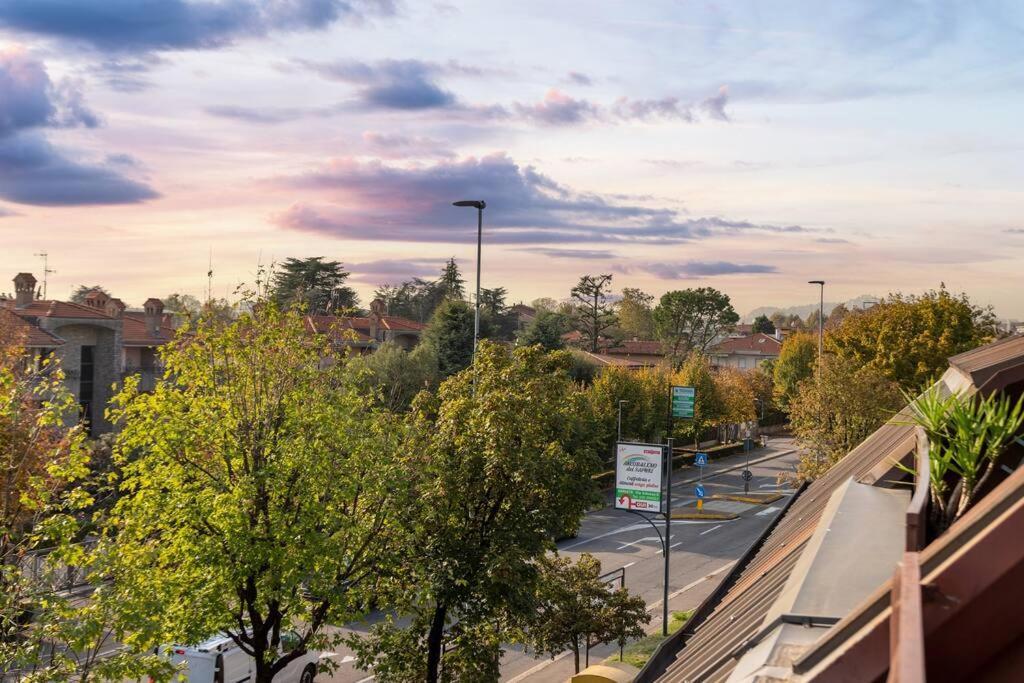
[
  {"x": 752, "y": 498},
  {"x": 705, "y": 515}
]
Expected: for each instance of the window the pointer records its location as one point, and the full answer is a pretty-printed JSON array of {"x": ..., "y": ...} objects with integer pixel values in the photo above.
[{"x": 87, "y": 373}]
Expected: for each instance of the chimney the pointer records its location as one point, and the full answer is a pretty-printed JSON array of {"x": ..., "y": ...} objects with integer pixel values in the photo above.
[
  {"x": 376, "y": 312},
  {"x": 24, "y": 289},
  {"x": 97, "y": 299},
  {"x": 114, "y": 308},
  {"x": 154, "y": 316}
]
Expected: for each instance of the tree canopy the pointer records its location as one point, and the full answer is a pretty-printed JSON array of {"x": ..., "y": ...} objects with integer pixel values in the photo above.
[
  {"x": 317, "y": 284},
  {"x": 257, "y": 493},
  {"x": 795, "y": 364},
  {"x": 764, "y": 325},
  {"x": 909, "y": 338},
  {"x": 450, "y": 334},
  {"x": 636, "y": 318},
  {"x": 692, "y": 319},
  {"x": 593, "y": 312},
  {"x": 500, "y": 470},
  {"x": 546, "y": 329}
]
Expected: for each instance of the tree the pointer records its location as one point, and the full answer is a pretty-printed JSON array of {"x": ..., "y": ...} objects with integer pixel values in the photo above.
[
  {"x": 416, "y": 299},
  {"x": 635, "y": 315},
  {"x": 692, "y": 320},
  {"x": 451, "y": 283},
  {"x": 794, "y": 364},
  {"x": 546, "y": 329},
  {"x": 82, "y": 291},
  {"x": 764, "y": 325},
  {"x": 736, "y": 392},
  {"x": 836, "y": 317},
  {"x": 394, "y": 376},
  {"x": 779, "y": 319},
  {"x": 496, "y": 318},
  {"x": 709, "y": 408},
  {"x": 593, "y": 313},
  {"x": 182, "y": 307},
  {"x": 830, "y": 416},
  {"x": 644, "y": 413},
  {"x": 450, "y": 334},
  {"x": 576, "y": 608},
  {"x": 909, "y": 339},
  {"x": 312, "y": 282},
  {"x": 544, "y": 303},
  {"x": 259, "y": 493},
  {"x": 501, "y": 468}
]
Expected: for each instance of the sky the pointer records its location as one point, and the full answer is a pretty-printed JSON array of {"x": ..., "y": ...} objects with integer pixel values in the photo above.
[{"x": 747, "y": 146}]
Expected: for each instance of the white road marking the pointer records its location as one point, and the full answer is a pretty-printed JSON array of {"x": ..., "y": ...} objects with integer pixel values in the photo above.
[
  {"x": 627, "y": 566},
  {"x": 768, "y": 510},
  {"x": 346, "y": 659},
  {"x": 366, "y": 680},
  {"x": 711, "y": 529},
  {"x": 637, "y": 542}
]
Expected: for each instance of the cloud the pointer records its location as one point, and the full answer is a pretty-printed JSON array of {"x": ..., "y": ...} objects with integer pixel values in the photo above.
[
  {"x": 29, "y": 99},
  {"x": 396, "y": 146},
  {"x": 558, "y": 109},
  {"x": 666, "y": 108},
  {"x": 374, "y": 201},
  {"x": 831, "y": 240},
  {"x": 396, "y": 270},
  {"x": 4, "y": 212},
  {"x": 127, "y": 74},
  {"x": 697, "y": 269},
  {"x": 32, "y": 171},
  {"x": 407, "y": 84},
  {"x": 1014, "y": 231},
  {"x": 714, "y": 106},
  {"x": 585, "y": 254},
  {"x": 270, "y": 115},
  {"x": 577, "y": 78},
  {"x": 146, "y": 25}
]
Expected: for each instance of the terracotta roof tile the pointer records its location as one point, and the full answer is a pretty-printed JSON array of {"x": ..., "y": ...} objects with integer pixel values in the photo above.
[
  {"x": 758, "y": 344},
  {"x": 41, "y": 308},
  {"x": 135, "y": 332},
  {"x": 35, "y": 337}
]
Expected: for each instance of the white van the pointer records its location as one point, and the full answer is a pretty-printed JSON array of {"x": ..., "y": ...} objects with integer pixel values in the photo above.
[{"x": 220, "y": 660}]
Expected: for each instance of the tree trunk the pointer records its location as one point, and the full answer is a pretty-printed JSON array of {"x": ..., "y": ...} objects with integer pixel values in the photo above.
[
  {"x": 435, "y": 640},
  {"x": 576, "y": 655}
]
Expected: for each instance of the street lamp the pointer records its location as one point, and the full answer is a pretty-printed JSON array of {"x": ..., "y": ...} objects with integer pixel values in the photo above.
[
  {"x": 821, "y": 320},
  {"x": 479, "y": 206},
  {"x": 620, "y": 419}
]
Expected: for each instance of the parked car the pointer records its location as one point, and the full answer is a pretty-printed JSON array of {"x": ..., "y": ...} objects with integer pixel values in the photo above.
[{"x": 220, "y": 660}]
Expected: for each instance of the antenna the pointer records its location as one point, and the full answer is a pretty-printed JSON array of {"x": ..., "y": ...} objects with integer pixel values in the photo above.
[
  {"x": 46, "y": 269},
  {"x": 209, "y": 279}
]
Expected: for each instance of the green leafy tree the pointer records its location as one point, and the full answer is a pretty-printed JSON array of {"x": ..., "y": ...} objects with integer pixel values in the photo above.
[
  {"x": 312, "y": 282},
  {"x": 452, "y": 284},
  {"x": 830, "y": 416},
  {"x": 258, "y": 493},
  {"x": 500, "y": 470},
  {"x": 764, "y": 325},
  {"x": 709, "y": 408},
  {"x": 576, "y": 608},
  {"x": 909, "y": 339},
  {"x": 450, "y": 335},
  {"x": 546, "y": 329},
  {"x": 692, "y": 320},
  {"x": 778, "y": 319},
  {"x": 395, "y": 375},
  {"x": 594, "y": 314},
  {"x": 795, "y": 364},
  {"x": 82, "y": 291},
  {"x": 836, "y": 317},
  {"x": 636, "y": 318},
  {"x": 497, "y": 321},
  {"x": 415, "y": 299},
  {"x": 644, "y": 413}
]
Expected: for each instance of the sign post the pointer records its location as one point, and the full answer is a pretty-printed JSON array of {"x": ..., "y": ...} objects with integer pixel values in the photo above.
[
  {"x": 683, "y": 399},
  {"x": 701, "y": 461}
]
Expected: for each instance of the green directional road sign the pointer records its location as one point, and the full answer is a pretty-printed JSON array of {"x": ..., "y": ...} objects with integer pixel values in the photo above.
[{"x": 683, "y": 399}]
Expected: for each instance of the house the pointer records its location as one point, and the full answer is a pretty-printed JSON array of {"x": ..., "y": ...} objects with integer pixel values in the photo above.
[
  {"x": 366, "y": 334},
  {"x": 97, "y": 342},
  {"x": 745, "y": 353},
  {"x": 847, "y": 585},
  {"x": 524, "y": 315}
]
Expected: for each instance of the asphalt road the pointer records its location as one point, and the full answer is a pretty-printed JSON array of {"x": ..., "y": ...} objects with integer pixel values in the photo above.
[{"x": 701, "y": 553}]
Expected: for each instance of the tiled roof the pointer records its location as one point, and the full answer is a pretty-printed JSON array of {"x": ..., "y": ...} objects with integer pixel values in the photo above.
[
  {"x": 757, "y": 344},
  {"x": 135, "y": 332},
  {"x": 636, "y": 348},
  {"x": 35, "y": 337},
  {"x": 41, "y": 308},
  {"x": 603, "y": 359},
  {"x": 337, "y": 326}
]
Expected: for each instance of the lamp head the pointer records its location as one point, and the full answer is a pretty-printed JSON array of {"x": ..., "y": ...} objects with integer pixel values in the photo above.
[
  {"x": 816, "y": 282},
  {"x": 470, "y": 202}
]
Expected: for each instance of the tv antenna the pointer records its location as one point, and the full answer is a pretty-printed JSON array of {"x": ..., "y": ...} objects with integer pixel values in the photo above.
[
  {"x": 209, "y": 278},
  {"x": 46, "y": 269}
]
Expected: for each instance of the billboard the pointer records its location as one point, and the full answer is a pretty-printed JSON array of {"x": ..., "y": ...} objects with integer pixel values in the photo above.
[
  {"x": 683, "y": 399},
  {"x": 638, "y": 469}
]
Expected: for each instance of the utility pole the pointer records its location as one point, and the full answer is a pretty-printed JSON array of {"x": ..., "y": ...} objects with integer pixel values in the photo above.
[
  {"x": 821, "y": 320},
  {"x": 619, "y": 430},
  {"x": 46, "y": 270}
]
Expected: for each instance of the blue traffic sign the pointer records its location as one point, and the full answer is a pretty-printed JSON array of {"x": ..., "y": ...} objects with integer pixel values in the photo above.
[
  {"x": 700, "y": 490},
  {"x": 701, "y": 460}
]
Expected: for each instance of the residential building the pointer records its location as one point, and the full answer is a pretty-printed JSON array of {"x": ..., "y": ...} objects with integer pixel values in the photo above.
[
  {"x": 365, "y": 334},
  {"x": 96, "y": 342},
  {"x": 745, "y": 353}
]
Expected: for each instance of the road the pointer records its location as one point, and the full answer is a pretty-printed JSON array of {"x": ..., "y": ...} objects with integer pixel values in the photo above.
[{"x": 701, "y": 552}]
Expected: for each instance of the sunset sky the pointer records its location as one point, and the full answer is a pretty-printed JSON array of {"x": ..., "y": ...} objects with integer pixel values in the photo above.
[{"x": 743, "y": 145}]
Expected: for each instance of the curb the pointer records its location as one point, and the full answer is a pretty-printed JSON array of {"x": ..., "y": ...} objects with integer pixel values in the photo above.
[
  {"x": 752, "y": 499},
  {"x": 709, "y": 516}
]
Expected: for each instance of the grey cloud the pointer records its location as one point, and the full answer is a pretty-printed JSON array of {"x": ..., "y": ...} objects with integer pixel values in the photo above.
[
  {"x": 395, "y": 270},
  {"x": 32, "y": 171},
  {"x": 584, "y": 254},
  {"x": 396, "y": 146},
  {"x": 29, "y": 99},
  {"x": 714, "y": 106},
  {"x": 1014, "y": 231},
  {"x": 577, "y": 78},
  {"x": 558, "y": 109},
  {"x": 697, "y": 269},
  {"x": 374, "y": 201},
  {"x": 124, "y": 26},
  {"x": 667, "y": 108},
  {"x": 394, "y": 83}
]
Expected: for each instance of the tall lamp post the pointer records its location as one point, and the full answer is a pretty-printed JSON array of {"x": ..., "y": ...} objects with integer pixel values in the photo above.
[
  {"x": 821, "y": 319},
  {"x": 479, "y": 206},
  {"x": 619, "y": 430}
]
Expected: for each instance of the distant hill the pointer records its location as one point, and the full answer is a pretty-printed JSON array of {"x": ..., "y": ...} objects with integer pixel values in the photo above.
[{"x": 806, "y": 309}]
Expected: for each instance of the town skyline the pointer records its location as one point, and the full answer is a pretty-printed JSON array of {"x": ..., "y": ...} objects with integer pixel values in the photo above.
[{"x": 673, "y": 147}]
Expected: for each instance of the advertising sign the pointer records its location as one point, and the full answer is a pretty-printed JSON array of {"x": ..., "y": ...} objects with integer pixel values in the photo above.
[
  {"x": 682, "y": 402},
  {"x": 638, "y": 469}
]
